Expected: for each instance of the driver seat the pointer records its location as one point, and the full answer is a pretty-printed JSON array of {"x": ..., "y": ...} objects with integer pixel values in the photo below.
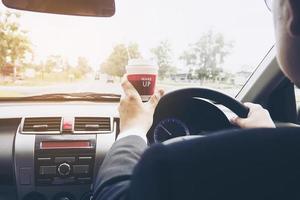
[{"x": 253, "y": 164}]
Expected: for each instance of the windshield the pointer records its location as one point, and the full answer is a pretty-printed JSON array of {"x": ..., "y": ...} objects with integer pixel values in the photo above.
[{"x": 196, "y": 43}]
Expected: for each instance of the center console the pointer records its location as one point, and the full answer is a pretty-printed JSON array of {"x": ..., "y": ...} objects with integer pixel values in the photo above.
[{"x": 60, "y": 165}]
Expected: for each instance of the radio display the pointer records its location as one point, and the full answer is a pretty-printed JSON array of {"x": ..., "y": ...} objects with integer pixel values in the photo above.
[{"x": 65, "y": 144}]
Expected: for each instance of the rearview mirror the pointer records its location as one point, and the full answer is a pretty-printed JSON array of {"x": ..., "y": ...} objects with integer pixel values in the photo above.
[{"x": 96, "y": 8}]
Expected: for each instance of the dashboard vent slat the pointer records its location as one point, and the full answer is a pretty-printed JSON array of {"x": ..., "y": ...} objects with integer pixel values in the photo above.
[
  {"x": 42, "y": 125},
  {"x": 92, "y": 124}
]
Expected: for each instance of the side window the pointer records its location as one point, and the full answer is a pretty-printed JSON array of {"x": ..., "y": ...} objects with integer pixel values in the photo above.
[{"x": 297, "y": 96}]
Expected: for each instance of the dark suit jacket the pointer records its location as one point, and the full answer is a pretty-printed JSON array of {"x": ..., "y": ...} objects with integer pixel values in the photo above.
[
  {"x": 254, "y": 164},
  {"x": 113, "y": 180}
]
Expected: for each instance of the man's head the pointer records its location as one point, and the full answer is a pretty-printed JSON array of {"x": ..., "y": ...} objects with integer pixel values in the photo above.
[{"x": 287, "y": 30}]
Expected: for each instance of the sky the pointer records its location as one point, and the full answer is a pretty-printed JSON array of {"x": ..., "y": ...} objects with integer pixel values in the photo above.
[{"x": 147, "y": 22}]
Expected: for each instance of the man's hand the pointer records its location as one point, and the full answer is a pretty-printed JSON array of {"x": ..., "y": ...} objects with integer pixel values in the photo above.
[
  {"x": 258, "y": 117},
  {"x": 134, "y": 114}
]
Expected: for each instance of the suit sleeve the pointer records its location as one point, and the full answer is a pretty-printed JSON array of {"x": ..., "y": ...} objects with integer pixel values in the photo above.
[{"x": 113, "y": 179}]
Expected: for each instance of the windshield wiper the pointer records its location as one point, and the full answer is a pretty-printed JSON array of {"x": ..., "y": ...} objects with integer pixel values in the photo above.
[{"x": 82, "y": 96}]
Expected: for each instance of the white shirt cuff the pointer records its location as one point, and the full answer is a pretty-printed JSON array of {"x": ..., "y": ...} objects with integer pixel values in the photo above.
[{"x": 133, "y": 132}]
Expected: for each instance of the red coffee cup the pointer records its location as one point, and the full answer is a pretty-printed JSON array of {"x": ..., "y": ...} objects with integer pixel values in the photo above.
[{"x": 142, "y": 74}]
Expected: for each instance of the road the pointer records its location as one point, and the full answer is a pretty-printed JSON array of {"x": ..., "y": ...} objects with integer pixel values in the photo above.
[
  {"x": 81, "y": 86},
  {"x": 85, "y": 86}
]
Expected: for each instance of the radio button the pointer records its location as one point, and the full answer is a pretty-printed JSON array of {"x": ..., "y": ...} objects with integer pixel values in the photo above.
[
  {"x": 84, "y": 158},
  {"x": 47, "y": 170},
  {"x": 44, "y": 159},
  {"x": 60, "y": 181},
  {"x": 64, "y": 169},
  {"x": 84, "y": 180},
  {"x": 64, "y": 159},
  {"x": 80, "y": 169}
]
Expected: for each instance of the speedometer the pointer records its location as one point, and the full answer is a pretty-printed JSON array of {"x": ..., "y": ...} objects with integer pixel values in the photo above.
[{"x": 170, "y": 128}]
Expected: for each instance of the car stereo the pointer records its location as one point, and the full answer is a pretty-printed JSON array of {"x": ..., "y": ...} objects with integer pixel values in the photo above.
[{"x": 63, "y": 161}]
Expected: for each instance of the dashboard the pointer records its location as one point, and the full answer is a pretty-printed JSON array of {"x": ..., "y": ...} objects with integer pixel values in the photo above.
[{"x": 53, "y": 150}]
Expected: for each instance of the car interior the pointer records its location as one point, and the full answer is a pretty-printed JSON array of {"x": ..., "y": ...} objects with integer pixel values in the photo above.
[{"x": 52, "y": 146}]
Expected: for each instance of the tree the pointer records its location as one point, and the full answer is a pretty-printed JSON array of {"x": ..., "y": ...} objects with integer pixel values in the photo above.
[
  {"x": 54, "y": 63},
  {"x": 133, "y": 51},
  {"x": 118, "y": 59},
  {"x": 14, "y": 42},
  {"x": 163, "y": 56},
  {"x": 207, "y": 55},
  {"x": 83, "y": 65}
]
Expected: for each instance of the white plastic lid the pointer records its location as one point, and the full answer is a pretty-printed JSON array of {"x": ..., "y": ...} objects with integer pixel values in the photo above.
[
  {"x": 141, "y": 66},
  {"x": 141, "y": 62}
]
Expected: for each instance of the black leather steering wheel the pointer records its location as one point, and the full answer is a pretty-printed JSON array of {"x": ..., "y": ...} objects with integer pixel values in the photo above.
[
  {"x": 190, "y": 99},
  {"x": 212, "y": 95}
]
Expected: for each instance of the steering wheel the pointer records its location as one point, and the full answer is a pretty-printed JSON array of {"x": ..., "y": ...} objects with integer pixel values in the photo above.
[{"x": 192, "y": 111}]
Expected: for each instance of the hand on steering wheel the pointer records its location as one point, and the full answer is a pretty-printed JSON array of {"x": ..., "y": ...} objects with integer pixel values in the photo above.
[{"x": 195, "y": 107}]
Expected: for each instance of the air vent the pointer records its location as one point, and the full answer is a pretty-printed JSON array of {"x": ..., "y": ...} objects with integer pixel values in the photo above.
[
  {"x": 43, "y": 125},
  {"x": 92, "y": 124}
]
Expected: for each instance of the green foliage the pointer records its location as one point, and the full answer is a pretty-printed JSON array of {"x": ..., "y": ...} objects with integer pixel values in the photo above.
[
  {"x": 14, "y": 42},
  {"x": 52, "y": 63},
  {"x": 118, "y": 59},
  {"x": 83, "y": 66},
  {"x": 207, "y": 55},
  {"x": 56, "y": 64},
  {"x": 163, "y": 56}
]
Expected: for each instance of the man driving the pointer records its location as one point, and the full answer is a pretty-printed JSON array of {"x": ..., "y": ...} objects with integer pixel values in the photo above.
[{"x": 247, "y": 159}]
